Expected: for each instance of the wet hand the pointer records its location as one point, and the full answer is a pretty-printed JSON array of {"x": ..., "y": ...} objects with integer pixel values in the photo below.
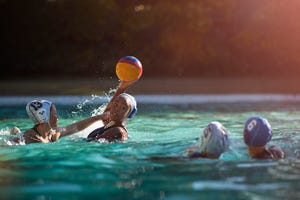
[
  {"x": 51, "y": 133},
  {"x": 190, "y": 149},
  {"x": 39, "y": 138}
]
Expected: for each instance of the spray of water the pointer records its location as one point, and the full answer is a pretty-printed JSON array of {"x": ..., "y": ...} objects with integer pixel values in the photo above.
[
  {"x": 80, "y": 107},
  {"x": 6, "y": 138}
]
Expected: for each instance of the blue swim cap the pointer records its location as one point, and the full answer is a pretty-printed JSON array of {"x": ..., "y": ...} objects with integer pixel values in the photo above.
[
  {"x": 257, "y": 132},
  {"x": 133, "y": 105}
]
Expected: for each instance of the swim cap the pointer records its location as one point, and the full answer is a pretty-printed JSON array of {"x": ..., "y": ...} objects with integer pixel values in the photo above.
[
  {"x": 133, "y": 105},
  {"x": 257, "y": 132},
  {"x": 39, "y": 111},
  {"x": 214, "y": 139},
  {"x": 14, "y": 130}
]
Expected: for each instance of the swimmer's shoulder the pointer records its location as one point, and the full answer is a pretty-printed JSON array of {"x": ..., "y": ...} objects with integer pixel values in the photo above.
[
  {"x": 273, "y": 152},
  {"x": 276, "y": 152},
  {"x": 29, "y": 132},
  {"x": 28, "y": 135},
  {"x": 117, "y": 133}
]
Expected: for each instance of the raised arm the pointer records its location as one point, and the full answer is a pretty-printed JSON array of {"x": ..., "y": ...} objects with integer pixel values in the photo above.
[
  {"x": 121, "y": 89},
  {"x": 79, "y": 126}
]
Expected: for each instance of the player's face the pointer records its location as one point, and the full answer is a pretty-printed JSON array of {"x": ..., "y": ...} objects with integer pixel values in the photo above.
[{"x": 119, "y": 109}]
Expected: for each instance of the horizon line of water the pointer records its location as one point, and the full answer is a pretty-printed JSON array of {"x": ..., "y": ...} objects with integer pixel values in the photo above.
[{"x": 157, "y": 98}]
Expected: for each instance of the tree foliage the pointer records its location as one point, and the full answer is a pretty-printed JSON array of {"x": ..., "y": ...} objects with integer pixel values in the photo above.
[{"x": 194, "y": 38}]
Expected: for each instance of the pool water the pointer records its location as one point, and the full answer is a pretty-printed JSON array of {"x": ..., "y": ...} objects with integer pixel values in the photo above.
[{"x": 74, "y": 169}]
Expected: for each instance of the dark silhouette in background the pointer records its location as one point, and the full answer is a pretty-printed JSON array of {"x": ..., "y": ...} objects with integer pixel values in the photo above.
[{"x": 195, "y": 38}]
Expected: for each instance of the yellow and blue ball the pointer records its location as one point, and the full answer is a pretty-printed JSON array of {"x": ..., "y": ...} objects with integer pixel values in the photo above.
[{"x": 129, "y": 68}]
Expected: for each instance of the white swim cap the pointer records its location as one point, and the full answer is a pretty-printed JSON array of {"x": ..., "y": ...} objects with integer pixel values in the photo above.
[
  {"x": 39, "y": 111},
  {"x": 214, "y": 139},
  {"x": 133, "y": 105}
]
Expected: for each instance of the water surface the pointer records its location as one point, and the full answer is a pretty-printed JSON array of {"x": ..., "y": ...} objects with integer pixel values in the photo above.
[{"x": 74, "y": 169}]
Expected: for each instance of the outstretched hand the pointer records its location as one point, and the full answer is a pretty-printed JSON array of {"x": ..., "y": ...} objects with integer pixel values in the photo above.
[{"x": 51, "y": 135}]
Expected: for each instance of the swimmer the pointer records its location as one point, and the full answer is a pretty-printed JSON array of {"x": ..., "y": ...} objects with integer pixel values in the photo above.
[
  {"x": 14, "y": 130},
  {"x": 120, "y": 89},
  {"x": 257, "y": 133},
  {"x": 44, "y": 116},
  {"x": 120, "y": 108},
  {"x": 213, "y": 142},
  {"x": 17, "y": 137}
]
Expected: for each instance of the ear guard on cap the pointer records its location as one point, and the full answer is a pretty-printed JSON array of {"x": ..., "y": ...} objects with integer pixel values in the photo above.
[
  {"x": 132, "y": 112},
  {"x": 133, "y": 105},
  {"x": 257, "y": 131},
  {"x": 39, "y": 111}
]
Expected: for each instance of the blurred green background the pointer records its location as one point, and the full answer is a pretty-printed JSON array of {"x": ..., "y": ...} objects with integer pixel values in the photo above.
[{"x": 185, "y": 38}]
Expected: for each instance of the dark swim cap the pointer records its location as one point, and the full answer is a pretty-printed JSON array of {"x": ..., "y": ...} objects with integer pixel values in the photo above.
[{"x": 257, "y": 131}]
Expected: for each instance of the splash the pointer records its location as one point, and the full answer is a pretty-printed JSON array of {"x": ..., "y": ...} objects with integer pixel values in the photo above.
[
  {"x": 107, "y": 97},
  {"x": 80, "y": 106},
  {"x": 93, "y": 99},
  {"x": 6, "y": 138},
  {"x": 102, "y": 107}
]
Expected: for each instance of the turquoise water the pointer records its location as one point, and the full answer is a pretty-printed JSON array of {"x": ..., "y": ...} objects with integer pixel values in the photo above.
[{"x": 74, "y": 169}]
